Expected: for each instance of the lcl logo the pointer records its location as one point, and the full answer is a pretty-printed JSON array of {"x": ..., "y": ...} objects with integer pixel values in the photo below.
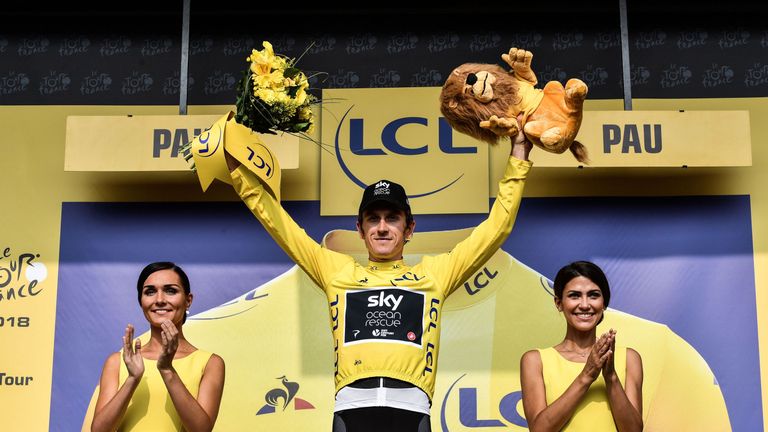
[
  {"x": 389, "y": 144},
  {"x": 468, "y": 415}
]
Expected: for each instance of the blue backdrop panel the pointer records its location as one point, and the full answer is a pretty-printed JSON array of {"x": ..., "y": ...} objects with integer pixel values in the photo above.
[{"x": 686, "y": 262}]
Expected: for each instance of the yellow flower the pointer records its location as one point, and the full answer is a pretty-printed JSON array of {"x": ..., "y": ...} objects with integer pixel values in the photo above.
[
  {"x": 273, "y": 80},
  {"x": 283, "y": 98},
  {"x": 301, "y": 95},
  {"x": 286, "y": 100},
  {"x": 305, "y": 113},
  {"x": 265, "y": 94},
  {"x": 264, "y": 61},
  {"x": 280, "y": 62},
  {"x": 260, "y": 68},
  {"x": 266, "y": 55}
]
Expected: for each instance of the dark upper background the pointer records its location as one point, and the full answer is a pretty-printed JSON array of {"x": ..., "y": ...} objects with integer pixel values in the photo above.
[{"x": 98, "y": 53}]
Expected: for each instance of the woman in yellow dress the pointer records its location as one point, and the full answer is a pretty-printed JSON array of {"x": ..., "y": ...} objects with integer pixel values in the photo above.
[
  {"x": 169, "y": 384},
  {"x": 584, "y": 383}
]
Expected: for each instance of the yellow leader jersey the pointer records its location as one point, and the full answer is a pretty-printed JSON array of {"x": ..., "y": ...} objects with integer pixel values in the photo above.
[{"x": 385, "y": 317}]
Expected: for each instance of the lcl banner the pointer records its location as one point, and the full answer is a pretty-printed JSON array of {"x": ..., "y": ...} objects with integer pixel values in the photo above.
[{"x": 404, "y": 126}]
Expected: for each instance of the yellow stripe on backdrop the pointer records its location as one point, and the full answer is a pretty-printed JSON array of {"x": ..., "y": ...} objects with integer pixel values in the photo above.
[{"x": 34, "y": 184}]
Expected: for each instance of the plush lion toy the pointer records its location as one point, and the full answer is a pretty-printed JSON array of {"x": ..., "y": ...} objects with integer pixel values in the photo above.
[{"x": 484, "y": 102}]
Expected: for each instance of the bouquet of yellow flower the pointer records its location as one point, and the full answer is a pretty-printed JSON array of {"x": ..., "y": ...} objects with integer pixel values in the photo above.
[{"x": 272, "y": 95}]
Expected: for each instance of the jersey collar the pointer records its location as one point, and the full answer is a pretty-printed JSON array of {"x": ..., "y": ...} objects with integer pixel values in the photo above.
[{"x": 386, "y": 265}]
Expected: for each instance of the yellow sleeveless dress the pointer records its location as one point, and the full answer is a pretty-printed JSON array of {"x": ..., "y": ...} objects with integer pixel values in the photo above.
[
  {"x": 593, "y": 414},
  {"x": 151, "y": 407}
]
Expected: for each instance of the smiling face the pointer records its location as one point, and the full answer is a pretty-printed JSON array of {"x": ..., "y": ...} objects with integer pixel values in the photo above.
[
  {"x": 582, "y": 304},
  {"x": 384, "y": 231},
  {"x": 163, "y": 298}
]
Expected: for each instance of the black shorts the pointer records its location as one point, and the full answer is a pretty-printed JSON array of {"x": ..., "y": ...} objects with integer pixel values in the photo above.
[{"x": 380, "y": 419}]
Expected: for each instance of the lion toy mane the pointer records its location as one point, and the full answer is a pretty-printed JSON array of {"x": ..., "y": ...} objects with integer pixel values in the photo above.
[{"x": 485, "y": 101}]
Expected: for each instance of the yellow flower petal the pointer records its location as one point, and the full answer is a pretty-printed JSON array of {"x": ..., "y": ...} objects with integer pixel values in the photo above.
[
  {"x": 268, "y": 48},
  {"x": 301, "y": 96}
]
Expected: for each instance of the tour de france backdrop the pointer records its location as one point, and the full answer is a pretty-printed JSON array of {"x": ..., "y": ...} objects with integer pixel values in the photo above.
[{"x": 672, "y": 207}]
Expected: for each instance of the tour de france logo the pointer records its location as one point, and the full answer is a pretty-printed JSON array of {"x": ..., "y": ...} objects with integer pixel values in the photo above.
[
  {"x": 20, "y": 275},
  {"x": 282, "y": 396}
]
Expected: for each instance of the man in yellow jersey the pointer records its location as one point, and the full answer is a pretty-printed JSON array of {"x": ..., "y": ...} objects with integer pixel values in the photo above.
[{"x": 385, "y": 316}]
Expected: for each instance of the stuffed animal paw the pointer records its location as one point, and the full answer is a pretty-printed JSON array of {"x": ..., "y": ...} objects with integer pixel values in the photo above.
[{"x": 501, "y": 126}]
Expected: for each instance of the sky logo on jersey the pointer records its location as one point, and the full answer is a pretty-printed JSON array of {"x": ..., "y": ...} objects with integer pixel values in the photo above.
[
  {"x": 281, "y": 397},
  {"x": 384, "y": 315},
  {"x": 395, "y": 133},
  {"x": 391, "y": 301}
]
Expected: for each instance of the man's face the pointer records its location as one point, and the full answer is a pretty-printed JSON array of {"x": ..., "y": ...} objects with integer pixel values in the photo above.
[{"x": 385, "y": 231}]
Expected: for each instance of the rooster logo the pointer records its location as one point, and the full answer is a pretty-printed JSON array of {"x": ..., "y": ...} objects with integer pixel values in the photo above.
[{"x": 283, "y": 396}]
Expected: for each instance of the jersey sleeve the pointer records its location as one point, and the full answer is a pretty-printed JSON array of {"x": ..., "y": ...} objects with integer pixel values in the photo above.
[
  {"x": 318, "y": 262},
  {"x": 451, "y": 269}
]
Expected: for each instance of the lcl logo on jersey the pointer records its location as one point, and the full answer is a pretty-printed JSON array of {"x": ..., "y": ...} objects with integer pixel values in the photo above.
[{"x": 282, "y": 396}]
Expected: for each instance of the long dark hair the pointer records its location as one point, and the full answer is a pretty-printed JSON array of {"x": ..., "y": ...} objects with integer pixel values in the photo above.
[
  {"x": 162, "y": 265},
  {"x": 588, "y": 270}
]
